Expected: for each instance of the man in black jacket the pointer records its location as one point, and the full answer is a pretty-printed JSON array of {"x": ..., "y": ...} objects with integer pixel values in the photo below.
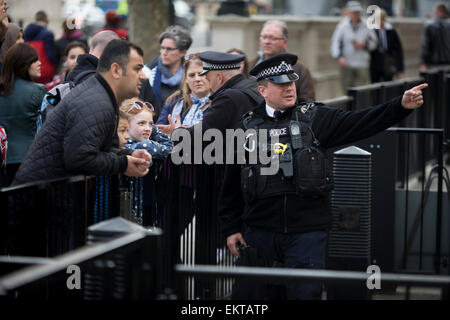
[
  {"x": 80, "y": 135},
  {"x": 87, "y": 64},
  {"x": 283, "y": 216},
  {"x": 436, "y": 39}
]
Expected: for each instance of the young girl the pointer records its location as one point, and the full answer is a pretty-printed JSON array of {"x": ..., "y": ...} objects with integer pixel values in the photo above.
[
  {"x": 143, "y": 133},
  {"x": 122, "y": 129},
  {"x": 71, "y": 53}
]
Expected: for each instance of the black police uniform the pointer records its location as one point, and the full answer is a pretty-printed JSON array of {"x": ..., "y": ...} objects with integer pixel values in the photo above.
[
  {"x": 236, "y": 97},
  {"x": 276, "y": 204}
]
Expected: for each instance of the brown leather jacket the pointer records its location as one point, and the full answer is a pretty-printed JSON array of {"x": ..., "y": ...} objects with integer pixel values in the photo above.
[{"x": 304, "y": 85}]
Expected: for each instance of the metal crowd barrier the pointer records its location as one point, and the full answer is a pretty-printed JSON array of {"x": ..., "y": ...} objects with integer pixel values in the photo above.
[
  {"x": 96, "y": 268},
  {"x": 50, "y": 218},
  {"x": 285, "y": 275}
]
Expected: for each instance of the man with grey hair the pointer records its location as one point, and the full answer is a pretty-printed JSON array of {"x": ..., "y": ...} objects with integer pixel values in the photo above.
[
  {"x": 89, "y": 61},
  {"x": 165, "y": 72},
  {"x": 273, "y": 41}
]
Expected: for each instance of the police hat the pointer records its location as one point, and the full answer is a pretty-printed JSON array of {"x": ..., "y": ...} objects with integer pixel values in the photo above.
[
  {"x": 277, "y": 69},
  {"x": 214, "y": 61}
]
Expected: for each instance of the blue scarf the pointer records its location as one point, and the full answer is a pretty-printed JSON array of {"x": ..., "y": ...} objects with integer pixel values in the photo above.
[{"x": 164, "y": 75}]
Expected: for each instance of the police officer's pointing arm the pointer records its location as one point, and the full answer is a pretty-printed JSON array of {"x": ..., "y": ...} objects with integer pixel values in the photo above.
[{"x": 334, "y": 127}]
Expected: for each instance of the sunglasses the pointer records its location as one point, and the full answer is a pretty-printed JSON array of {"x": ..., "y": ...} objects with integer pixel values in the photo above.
[{"x": 140, "y": 105}]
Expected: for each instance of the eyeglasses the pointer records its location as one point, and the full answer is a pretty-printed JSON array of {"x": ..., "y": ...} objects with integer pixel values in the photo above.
[
  {"x": 168, "y": 49},
  {"x": 272, "y": 39},
  {"x": 140, "y": 105}
]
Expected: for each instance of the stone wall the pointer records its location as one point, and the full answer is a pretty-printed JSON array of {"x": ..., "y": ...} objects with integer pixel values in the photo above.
[
  {"x": 310, "y": 38},
  {"x": 24, "y": 11}
]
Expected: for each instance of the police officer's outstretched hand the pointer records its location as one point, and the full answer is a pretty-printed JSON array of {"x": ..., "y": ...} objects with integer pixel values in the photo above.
[
  {"x": 232, "y": 242},
  {"x": 169, "y": 128},
  {"x": 413, "y": 99}
]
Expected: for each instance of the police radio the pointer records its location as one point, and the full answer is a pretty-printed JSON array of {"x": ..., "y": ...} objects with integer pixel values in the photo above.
[{"x": 296, "y": 135}]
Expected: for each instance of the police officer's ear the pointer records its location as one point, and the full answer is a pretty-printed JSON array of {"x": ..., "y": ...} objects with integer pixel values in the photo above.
[{"x": 262, "y": 87}]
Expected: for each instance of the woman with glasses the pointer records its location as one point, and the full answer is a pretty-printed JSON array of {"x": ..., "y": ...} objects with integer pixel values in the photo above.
[
  {"x": 189, "y": 103},
  {"x": 165, "y": 72}
]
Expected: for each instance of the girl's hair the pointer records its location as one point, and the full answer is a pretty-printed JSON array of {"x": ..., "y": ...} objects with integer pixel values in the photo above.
[
  {"x": 17, "y": 62},
  {"x": 133, "y": 106},
  {"x": 124, "y": 115},
  {"x": 75, "y": 44},
  {"x": 246, "y": 66},
  {"x": 186, "y": 91}
]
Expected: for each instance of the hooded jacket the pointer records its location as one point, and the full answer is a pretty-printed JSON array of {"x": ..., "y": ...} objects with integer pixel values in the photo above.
[{"x": 36, "y": 32}]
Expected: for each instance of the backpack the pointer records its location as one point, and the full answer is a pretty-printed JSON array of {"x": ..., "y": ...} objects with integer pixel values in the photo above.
[
  {"x": 3, "y": 146},
  {"x": 55, "y": 95}
]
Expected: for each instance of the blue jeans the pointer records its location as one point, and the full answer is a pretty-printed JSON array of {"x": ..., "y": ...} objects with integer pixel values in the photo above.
[{"x": 298, "y": 250}]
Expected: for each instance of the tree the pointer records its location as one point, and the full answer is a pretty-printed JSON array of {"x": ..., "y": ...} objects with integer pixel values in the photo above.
[{"x": 147, "y": 19}]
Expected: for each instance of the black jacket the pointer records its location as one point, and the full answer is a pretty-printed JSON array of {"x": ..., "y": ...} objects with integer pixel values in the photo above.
[
  {"x": 147, "y": 94},
  {"x": 79, "y": 137},
  {"x": 234, "y": 99},
  {"x": 394, "y": 50},
  {"x": 85, "y": 62},
  {"x": 292, "y": 213},
  {"x": 436, "y": 42},
  {"x": 88, "y": 62}
]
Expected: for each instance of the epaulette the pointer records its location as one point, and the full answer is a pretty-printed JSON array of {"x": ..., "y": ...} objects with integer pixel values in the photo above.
[
  {"x": 308, "y": 106},
  {"x": 250, "y": 120}
]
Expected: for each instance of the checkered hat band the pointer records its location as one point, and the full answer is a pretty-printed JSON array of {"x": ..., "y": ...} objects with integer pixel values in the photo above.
[
  {"x": 282, "y": 68},
  {"x": 213, "y": 66}
]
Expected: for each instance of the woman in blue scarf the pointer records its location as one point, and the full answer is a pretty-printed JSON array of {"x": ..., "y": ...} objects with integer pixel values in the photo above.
[
  {"x": 191, "y": 102},
  {"x": 166, "y": 72}
]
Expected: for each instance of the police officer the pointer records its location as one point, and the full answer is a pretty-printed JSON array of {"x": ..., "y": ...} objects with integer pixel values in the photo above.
[
  {"x": 232, "y": 94},
  {"x": 285, "y": 216}
]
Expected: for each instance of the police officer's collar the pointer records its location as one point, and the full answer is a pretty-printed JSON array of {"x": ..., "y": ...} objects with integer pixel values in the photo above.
[
  {"x": 261, "y": 112},
  {"x": 227, "y": 85},
  {"x": 271, "y": 111}
]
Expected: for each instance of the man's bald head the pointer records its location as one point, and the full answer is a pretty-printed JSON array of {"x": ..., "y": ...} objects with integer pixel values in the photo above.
[{"x": 100, "y": 40}]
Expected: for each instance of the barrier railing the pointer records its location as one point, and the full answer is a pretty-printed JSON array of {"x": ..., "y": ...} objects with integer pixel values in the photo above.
[
  {"x": 284, "y": 275},
  {"x": 50, "y": 218},
  {"x": 50, "y": 278}
]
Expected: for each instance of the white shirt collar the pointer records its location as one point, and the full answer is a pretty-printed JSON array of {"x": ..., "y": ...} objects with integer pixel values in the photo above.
[{"x": 270, "y": 111}]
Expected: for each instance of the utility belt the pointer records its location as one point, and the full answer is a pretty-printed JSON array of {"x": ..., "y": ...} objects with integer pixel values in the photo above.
[{"x": 304, "y": 169}]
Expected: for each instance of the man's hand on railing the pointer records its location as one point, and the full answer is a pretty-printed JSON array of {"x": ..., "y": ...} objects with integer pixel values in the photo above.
[
  {"x": 143, "y": 154},
  {"x": 137, "y": 167},
  {"x": 413, "y": 99}
]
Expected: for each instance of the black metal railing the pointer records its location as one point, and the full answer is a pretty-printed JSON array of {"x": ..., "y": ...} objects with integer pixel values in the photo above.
[
  {"x": 50, "y": 218},
  {"x": 99, "y": 277}
]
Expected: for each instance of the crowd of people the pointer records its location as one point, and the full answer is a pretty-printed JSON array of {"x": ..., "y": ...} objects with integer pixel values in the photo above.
[{"x": 119, "y": 113}]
